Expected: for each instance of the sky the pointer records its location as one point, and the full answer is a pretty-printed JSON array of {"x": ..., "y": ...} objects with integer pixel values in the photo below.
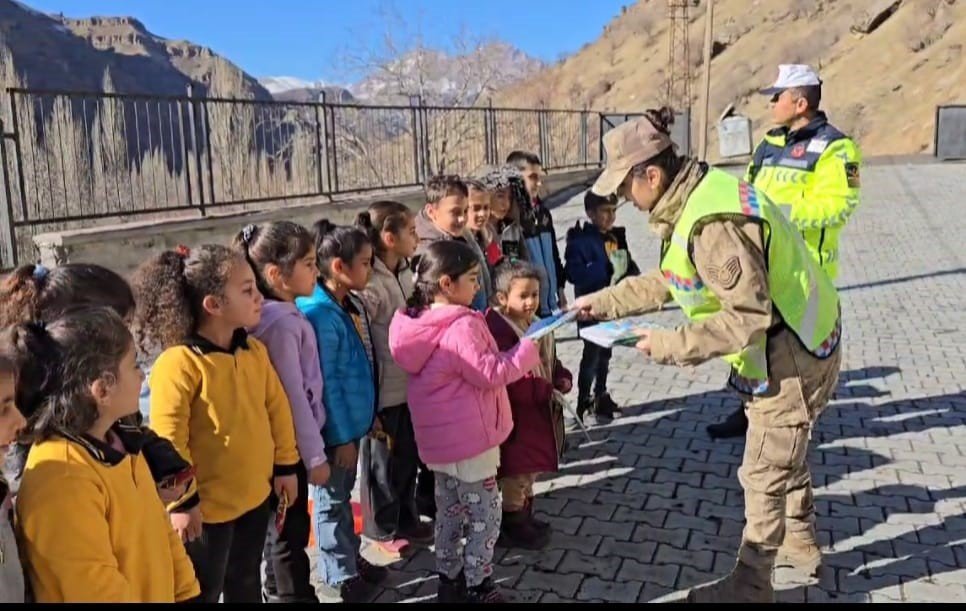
[{"x": 307, "y": 38}]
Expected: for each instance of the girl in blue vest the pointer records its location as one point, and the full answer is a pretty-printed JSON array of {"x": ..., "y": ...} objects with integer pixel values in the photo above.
[{"x": 341, "y": 325}]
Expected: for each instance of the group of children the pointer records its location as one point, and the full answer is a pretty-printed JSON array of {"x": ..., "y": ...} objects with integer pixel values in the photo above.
[{"x": 282, "y": 367}]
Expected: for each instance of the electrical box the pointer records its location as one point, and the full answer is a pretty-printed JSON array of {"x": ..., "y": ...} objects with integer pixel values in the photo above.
[{"x": 734, "y": 136}]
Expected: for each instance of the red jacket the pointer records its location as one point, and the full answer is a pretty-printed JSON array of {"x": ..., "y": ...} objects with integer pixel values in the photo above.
[{"x": 536, "y": 441}]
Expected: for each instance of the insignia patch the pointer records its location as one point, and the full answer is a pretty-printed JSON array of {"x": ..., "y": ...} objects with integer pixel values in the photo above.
[
  {"x": 726, "y": 276},
  {"x": 817, "y": 145},
  {"x": 798, "y": 151},
  {"x": 852, "y": 174}
]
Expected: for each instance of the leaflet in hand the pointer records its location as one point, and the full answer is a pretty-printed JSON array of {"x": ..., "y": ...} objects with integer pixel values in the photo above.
[
  {"x": 550, "y": 324},
  {"x": 620, "y": 332}
]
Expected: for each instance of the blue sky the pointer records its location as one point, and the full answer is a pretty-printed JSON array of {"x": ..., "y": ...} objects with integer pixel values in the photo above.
[{"x": 304, "y": 38}]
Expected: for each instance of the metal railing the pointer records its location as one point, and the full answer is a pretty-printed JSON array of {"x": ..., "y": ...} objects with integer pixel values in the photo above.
[{"x": 75, "y": 159}]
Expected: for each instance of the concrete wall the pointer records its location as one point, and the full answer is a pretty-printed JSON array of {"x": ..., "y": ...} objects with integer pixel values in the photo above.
[{"x": 123, "y": 247}]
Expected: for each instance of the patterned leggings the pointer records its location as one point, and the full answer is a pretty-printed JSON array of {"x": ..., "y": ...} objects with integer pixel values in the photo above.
[{"x": 473, "y": 508}]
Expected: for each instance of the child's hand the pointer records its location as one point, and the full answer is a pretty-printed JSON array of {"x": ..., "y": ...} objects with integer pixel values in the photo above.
[
  {"x": 319, "y": 476},
  {"x": 377, "y": 424},
  {"x": 187, "y": 523},
  {"x": 287, "y": 485},
  {"x": 170, "y": 494},
  {"x": 565, "y": 385},
  {"x": 346, "y": 456}
]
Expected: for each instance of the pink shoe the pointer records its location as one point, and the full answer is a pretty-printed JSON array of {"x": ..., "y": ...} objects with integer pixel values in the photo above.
[{"x": 396, "y": 548}]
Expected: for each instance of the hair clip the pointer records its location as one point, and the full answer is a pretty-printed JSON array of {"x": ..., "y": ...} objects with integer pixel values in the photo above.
[
  {"x": 183, "y": 251},
  {"x": 247, "y": 232},
  {"x": 40, "y": 273}
]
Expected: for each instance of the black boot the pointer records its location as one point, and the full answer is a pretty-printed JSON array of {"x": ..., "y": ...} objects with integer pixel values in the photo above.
[
  {"x": 584, "y": 405},
  {"x": 451, "y": 590},
  {"x": 605, "y": 408},
  {"x": 519, "y": 532},
  {"x": 539, "y": 525},
  {"x": 735, "y": 425}
]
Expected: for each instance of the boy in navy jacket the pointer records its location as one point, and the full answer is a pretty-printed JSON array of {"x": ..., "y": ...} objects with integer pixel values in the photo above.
[{"x": 597, "y": 257}]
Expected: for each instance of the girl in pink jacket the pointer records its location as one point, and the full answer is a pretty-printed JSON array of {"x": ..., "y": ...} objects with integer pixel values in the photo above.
[{"x": 460, "y": 410}]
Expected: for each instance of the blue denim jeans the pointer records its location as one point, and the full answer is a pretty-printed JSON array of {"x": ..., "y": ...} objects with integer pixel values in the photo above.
[{"x": 335, "y": 533}]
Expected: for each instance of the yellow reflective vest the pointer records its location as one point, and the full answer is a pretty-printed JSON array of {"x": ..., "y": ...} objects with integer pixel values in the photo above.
[
  {"x": 815, "y": 172},
  {"x": 801, "y": 292}
]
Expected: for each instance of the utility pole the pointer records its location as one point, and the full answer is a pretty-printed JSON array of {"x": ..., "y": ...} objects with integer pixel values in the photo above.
[
  {"x": 706, "y": 85},
  {"x": 678, "y": 56}
]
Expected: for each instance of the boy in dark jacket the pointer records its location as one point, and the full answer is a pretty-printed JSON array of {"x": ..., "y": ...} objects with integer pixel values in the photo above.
[
  {"x": 539, "y": 235},
  {"x": 597, "y": 257},
  {"x": 536, "y": 442}
]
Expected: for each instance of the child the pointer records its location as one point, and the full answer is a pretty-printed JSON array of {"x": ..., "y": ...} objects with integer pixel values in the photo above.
[
  {"x": 539, "y": 232},
  {"x": 505, "y": 186},
  {"x": 390, "y": 461},
  {"x": 91, "y": 525},
  {"x": 536, "y": 442},
  {"x": 461, "y": 413},
  {"x": 216, "y": 396},
  {"x": 597, "y": 257},
  {"x": 341, "y": 327},
  {"x": 444, "y": 218},
  {"x": 11, "y": 421},
  {"x": 35, "y": 293},
  {"x": 478, "y": 220},
  {"x": 283, "y": 257}
]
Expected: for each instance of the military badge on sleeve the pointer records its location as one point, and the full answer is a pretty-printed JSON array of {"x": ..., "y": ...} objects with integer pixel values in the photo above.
[
  {"x": 726, "y": 276},
  {"x": 852, "y": 174}
]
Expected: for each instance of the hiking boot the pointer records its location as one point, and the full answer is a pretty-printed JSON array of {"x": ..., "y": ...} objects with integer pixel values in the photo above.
[
  {"x": 517, "y": 530},
  {"x": 735, "y": 425},
  {"x": 486, "y": 592},
  {"x": 745, "y": 584},
  {"x": 584, "y": 405},
  {"x": 801, "y": 552},
  {"x": 420, "y": 534},
  {"x": 369, "y": 572},
  {"x": 451, "y": 590}
]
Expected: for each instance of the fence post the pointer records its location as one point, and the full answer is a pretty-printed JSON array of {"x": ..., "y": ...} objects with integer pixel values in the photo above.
[
  {"x": 584, "y": 145},
  {"x": 6, "y": 214},
  {"x": 543, "y": 149},
  {"x": 206, "y": 130},
  {"x": 320, "y": 153},
  {"x": 193, "y": 130},
  {"x": 489, "y": 134}
]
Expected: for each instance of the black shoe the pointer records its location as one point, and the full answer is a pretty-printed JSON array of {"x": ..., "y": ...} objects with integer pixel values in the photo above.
[
  {"x": 539, "y": 525},
  {"x": 451, "y": 590},
  {"x": 352, "y": 590},
  {"x": 518, "y": 531},
  {"x": 370, "y": 573},
  {"x": 735, "y": 425},
  {"x": 486, "y": 592},
  {"x": 585, "y": 405},
  {"x": 605, "y": 403}
]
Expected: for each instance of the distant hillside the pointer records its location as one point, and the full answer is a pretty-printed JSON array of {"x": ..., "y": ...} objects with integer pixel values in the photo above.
[
  {"x": 59, "y": 52},
  {"x": 882, "y": 87}
]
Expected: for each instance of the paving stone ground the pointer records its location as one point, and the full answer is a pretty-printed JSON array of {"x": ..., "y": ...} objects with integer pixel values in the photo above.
[{"x": 652, "y": 507}]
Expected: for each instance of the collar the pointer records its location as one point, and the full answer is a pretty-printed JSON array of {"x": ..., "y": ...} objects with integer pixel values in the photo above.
[
  {"x": 239, "y": 340},
  {"x": 668, "y": 209},
  {"x": 104, "y": 452},
  {"x": 378, "y": 265},
  {"x": 818, "y": 122},
  {"x": 348, "y": 306}
]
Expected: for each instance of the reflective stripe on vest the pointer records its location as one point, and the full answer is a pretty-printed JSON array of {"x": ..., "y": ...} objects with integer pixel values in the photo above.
[{"x": 800, "y": 291}]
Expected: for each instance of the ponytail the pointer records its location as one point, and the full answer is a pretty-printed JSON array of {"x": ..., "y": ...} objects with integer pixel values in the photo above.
[
  {"x": 668, "y": 159},
  {"x": 170, "y": 289},
  {"x": 33, "y": 292},
  {"x": 337, "y": 242},
  {"x": 383, "y": 215},
  {"x": 282, "y": 243}
]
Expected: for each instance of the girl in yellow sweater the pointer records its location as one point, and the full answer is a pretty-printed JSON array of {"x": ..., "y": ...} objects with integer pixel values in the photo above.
[
  {"x": 216, "y": 396},
  {"x": 92, "y": 526}
]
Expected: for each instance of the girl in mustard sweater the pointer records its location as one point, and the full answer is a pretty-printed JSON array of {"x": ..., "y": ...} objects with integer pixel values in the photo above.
[
  {"x": 216, "y": 396},
  {"x": 92, "y": 526}
]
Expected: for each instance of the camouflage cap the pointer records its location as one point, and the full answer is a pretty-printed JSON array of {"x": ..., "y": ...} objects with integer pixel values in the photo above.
[{"x": 627, "y": 145}]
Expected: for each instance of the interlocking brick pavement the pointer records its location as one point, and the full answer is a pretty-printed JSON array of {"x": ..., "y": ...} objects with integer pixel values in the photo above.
[{"x": 652, "y": 506}]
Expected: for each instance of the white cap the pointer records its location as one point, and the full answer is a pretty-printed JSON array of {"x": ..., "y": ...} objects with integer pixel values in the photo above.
[{"x": 793, "y": 75}]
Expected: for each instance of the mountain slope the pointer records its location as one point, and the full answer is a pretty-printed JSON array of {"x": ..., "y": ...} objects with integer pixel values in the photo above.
[
  {"x": 58, "y": 52},
  {"x": 881, "y": 87}
]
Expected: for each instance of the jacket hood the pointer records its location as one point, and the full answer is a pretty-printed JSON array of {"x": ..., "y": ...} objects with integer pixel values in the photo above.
[
  {"x": 274, "y": 311},
  {"x": 426, "y": 231},
  {"x": 415, "y": 339}
]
